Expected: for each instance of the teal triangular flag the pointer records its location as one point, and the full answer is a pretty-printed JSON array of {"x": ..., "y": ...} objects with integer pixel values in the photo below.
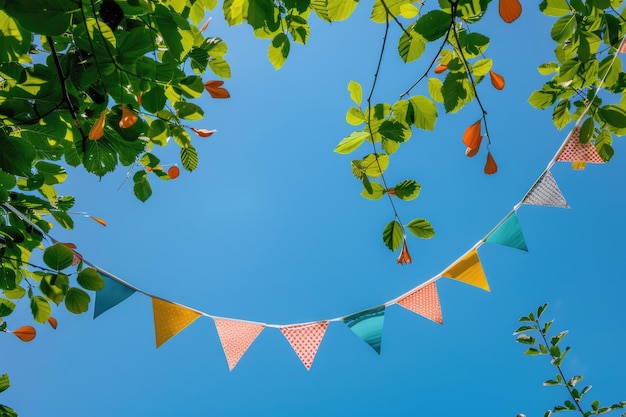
[
  {"x": 509, "y": 233},
  {"x": 111, "y": 295},
  {"x": 368, "y": 325}
]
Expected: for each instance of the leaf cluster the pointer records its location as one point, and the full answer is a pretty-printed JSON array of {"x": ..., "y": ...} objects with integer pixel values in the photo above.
[
  {"x": 588, "y": 35},
  {"x": 549, "y": 345}
]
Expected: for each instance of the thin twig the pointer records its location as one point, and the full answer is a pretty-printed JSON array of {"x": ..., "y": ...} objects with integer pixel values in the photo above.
[
  {"x": 369, "y": 118},
  {"x": 395, "y": 19}
]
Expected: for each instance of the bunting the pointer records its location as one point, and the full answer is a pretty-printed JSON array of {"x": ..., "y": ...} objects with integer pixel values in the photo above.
[
  {"x": 468, "y": 269},
  {"x": 236, "y": 337},
  {"x": 424, "y": 301},
  {"x": 368, "y": 325},
  {"x": 170, "y": 319},
  {"x": 545, "y": 192},
  {"x": 509, "y": 233},
  {"x": 305, "y": 339},
  {"x": 574, "y": 151},
  {"x": 111, "y": 295}
]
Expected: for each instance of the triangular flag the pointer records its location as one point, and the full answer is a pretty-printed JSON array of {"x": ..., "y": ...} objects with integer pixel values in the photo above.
[
  {"x": 424, "y": 301},
  {"x": 509, "y": 233},
  {"x": 468, "y": 270},
  {"x": 545, "y": 192},
  {"x": 111, "y": 295},
  {"x": 574, "y": 151},
  {"x": 305, "y": 339},
  {"x": 169, "y": 319},
  {"x": 368, "y": 325},
  {"x": 236, "y": 337}
]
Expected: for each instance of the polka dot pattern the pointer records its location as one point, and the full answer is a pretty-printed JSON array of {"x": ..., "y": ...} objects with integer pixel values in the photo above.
[
  {"x": 236, "y": 337},
  {"x": 170, "y": 319},
  {"x": 545, "y": 192},
  {"x": 425, "y": 302},
  {"x": 574, "y": 151},
  {"x": 305, "y": 340}
]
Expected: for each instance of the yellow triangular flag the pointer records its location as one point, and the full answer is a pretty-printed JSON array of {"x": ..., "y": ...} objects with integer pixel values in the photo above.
[
  {"x": 469, "y": 270},
  {"x": 169, "y": 319}
]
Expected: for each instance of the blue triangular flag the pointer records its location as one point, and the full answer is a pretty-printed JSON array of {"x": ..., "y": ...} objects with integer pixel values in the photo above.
[
  {"x": 368, "y": 325},
  {"x": 111, "y": 295},
  {"x": 509, "y": 233}
]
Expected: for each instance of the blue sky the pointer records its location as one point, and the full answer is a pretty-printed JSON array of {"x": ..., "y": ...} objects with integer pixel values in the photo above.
[{"x": 271, "y": 228}]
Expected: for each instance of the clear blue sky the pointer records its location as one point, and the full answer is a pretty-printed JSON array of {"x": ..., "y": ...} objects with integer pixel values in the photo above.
[{"x": 271, "y": 228}]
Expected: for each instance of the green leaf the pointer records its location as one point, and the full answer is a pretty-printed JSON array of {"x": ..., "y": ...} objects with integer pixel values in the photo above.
[
  {"x": 189, "y": 158},
  {"x": 614, "y": 116},
  {"x": 604, "y": 145},
  {"x": 40, "y": 308},
  {"x": 394, "y": 130},
  {"x": 574, "y": 380},
  {"x": 58, "y": 256},
  {"x": 525, "y": 339},
  {"x": 191, "y": 86},
  {"x": 548, "y": 68},
  {"x": 158, "y": 132},
  {"x": 53, "y": 15},
  {"x": 4, "y": 382},
  {"x": 355, "y": 116},
  {"x": 356, "y": 93},
  {"x": 141, "y": 187},
  {"x": 550, "y": 383},
  {"x": 434, "y": 89},
  {"x": 453, "y": 93},
  {"x": 393, "y": 235},
  {"x": 279, "y": 50},
  {"x": 351, "y": 142},
  {"x": 407, "y": 190},
  {"x": 64, "y": 220},
  {"x": 542, "y": 99},
  {"x": 6, "y": 307},
  {"x": 340, "y": 9},
  {"x": 433, "y": 25},
  {"x": 220, "y": 67},
  {"x": 411, "y": 48},
  {"x": 375, "y": 164},
  {"x": 154, "y": 99},
  {"x": 482, "y": 67},
  {"x": 90, "y": 279},
  {"x": 16, "y": 155},
  {"x": 554, "y": 7},
  {"x": 531, "y": 351},
  {"x": 54, "y": 287},
  {"x": 586, "y": 130},
  {"x": 421, "y": 228},
  {"x": 188, "y": 111},
  {"x": 561, "y": 116},
  {"x": 563, "y": 28},
  {"x": 377, "y": 191},
  {"x": 7, "y": 279},
  {"x": 77, "y": 301},
  {"x": 15, "y": 294},
  {"x": 524, "y": 329},
  {"x": 425, "y": 112},
  {"x": 541, "y": 309}
]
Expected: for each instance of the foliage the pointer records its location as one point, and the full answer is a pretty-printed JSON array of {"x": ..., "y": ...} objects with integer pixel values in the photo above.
[
  {"x": 106, "y": 83},
  {"x": 98, "y": 84},
  {"x": 588, "y": 35},
  {"x": 550, "y": 346}
]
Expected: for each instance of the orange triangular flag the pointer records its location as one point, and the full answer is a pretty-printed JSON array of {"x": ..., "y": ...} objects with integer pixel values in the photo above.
[
  {"x": 574, "y": 151},
  {"x": 468, "y": 270},
  {"x": 170, "y": 319},
  {"x": 305, "y": 339},
  {"x": 236, "y": 337},
  {"x": 425, "y": 302}
]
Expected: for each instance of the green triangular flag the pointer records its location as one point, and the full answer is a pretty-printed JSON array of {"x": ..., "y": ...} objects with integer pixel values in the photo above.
[
  {"x": 368, "y": 325},
  {"x": 509, "y": 233}
]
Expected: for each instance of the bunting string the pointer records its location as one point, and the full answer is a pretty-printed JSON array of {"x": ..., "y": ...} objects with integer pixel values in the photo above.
[{"x": 236, "y": 335}]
